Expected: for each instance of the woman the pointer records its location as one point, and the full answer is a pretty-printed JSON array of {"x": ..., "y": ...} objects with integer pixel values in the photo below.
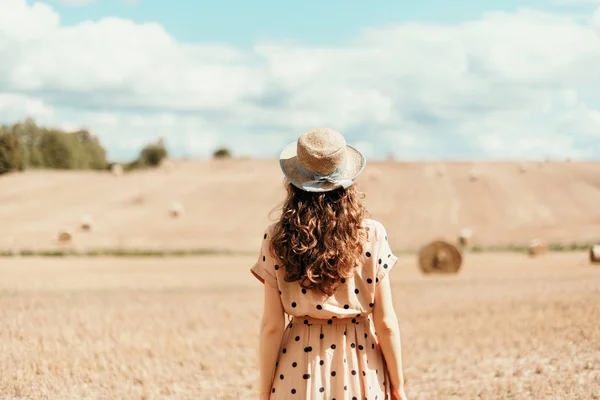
[{"x": 324, "y": 264}]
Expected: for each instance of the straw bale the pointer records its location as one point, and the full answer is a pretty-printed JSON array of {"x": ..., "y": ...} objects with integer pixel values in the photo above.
[
  {"x": 440, "y": 257},
  {"x": 465, "y": 237},
  {"x": 537, "y": 247},
  {"x": 87, "y": 223},
  {"x": 64, "y": 237},
  {"x": 473, "y": 175},
  {"x": 116, "y": 169},
  {"x": 595, "y": 254},
  {"x": 176, "y": 209}
]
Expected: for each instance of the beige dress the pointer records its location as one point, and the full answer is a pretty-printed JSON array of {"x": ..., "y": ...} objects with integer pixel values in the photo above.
[{"x": 329, "y": 349}]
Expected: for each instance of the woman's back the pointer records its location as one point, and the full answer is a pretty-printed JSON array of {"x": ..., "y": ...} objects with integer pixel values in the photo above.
[
  {"x": 329, "y": 349},
  {"x": 324, "y": 264},
  {"x": 356, "y": 294}
]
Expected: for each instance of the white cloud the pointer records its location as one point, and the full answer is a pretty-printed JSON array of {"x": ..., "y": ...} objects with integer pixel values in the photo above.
[
  {"x": 577, "y": 2},
  {"x": 76, "y": 2},
  {"x": 508, "y": 85}
]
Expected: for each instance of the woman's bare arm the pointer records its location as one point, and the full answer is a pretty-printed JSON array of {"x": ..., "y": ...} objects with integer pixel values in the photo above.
[
  {"x": 272, "y": 327},
  {"x": 388, "y": 333}
]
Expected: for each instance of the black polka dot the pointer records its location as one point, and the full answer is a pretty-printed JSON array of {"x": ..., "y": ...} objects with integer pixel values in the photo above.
[
  {"x": 389, "y": 255},
  {"x": 297, "y": 338},
  {"x": 372, "y": 305},
  {"x": 307, "y": 349},
  {"x": 373, "y": 346},
  {"x": 264, "y": 258},
  {"x": 376, "y": 280},
  {"x": 293, "y": 391},
  {"x": 281, "y": 376},
  {"x": 294, "y": 304},
  {"x": 284, "y": 351},
  {"x": 321, "y": 336},
  {"x": 356, "y": 291},
  {"x": 322, "y": 390},
  {"x": 368, "y": 254},
  {"x": 280, "y": 292},
  {"x": 332, "y": 373},
  {"x": 276, "y": 267},
  {"x": 294, "y": 364},
  {"x": 345, "y": 387},
  {"x": 273, "y": 390},
  {"x": 364, "y": 373},
  {"x": 291, "y": 325},
  {"x": 333, "y": 346},
  {"x": 346, "y": 306},
  {"x": 380, "y": 261},
  {"x": 319, "y": 307},
  {"x": 277, "y": 364},
  {"x": 306, "y": 376},
  {"x": 353, "y": 320},
  {"x": 264, "y": 237},
  {"x": 329, "y": 321},
  {"x": 385, "y": 237},
  {"x": 366, "y": 335},
  {"x": 303, "y": 291},
  {"x": 354, "y": 398},
  {"x": 353, "y": 372},
  {"x": 360, "y": 347},
  {"x": 321, "y": 362},
  {"x": 343, "y": 280},
  {"x": 385, "y": 266},
  {"x": 357, "y": 315},
  {"x": 345, "y": 333},
  {"x": 352, "y": 345},
  {"x": 305, "y": 322},
  {"x": 369, "y": 281}
]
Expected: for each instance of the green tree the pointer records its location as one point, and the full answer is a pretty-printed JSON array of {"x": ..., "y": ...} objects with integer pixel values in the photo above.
[
  {"x": 223, "y": 152},
  {"x": 10, "y": 153}
]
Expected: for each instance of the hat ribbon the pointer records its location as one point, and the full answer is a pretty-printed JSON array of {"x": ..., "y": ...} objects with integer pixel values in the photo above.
[{"x": 319, "y": 180}]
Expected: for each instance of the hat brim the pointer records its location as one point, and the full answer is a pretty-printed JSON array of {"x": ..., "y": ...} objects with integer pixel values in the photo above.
[{"x": 355, "y": 164}]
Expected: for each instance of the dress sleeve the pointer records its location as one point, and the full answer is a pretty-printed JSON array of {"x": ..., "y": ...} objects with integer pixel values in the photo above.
[
  {"x": 385, "y": 258},
  {"x": 264, "y": 268}
]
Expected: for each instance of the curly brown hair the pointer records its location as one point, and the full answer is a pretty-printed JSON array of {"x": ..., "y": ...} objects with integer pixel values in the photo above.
[{"x": 320, "y": 236}]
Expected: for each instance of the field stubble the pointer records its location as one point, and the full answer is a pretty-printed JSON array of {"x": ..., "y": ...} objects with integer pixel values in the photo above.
[{"x": 506, "y": 327}]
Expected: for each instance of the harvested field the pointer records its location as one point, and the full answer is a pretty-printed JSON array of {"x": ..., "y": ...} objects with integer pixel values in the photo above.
[
  {"x": 506, "y": 327},
  {"x": 227, "y": 203}
]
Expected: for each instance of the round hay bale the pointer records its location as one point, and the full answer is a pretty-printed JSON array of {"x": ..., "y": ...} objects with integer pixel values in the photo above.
[
  {"x": 465, "y": 237},
  {"x": 168, "y": 165},
  {"x": 64, "y": 237},
  {"x": 116, "y": 170},
  {"x": 440, "y": 257},
  {"x": 473, "y": 176},
  {"x": 522, "y": 168},
  {"x": 176, "y": 209},
  {"x": 537, "y": 247},
  {"x": 595, "y": 254},
  {"x": 87, "y": 223}
]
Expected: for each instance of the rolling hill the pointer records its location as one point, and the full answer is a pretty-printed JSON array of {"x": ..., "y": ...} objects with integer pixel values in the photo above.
[{"x": 228, "y": 202}]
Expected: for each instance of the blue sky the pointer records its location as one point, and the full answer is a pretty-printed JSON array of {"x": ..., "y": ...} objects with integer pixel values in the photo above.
[
  {"x": 420, "y": 80},
  {"x": 243, "y": 23}
]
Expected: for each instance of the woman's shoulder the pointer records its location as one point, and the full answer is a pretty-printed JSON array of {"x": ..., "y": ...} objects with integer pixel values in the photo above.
[{"x": 373, "y": 224}]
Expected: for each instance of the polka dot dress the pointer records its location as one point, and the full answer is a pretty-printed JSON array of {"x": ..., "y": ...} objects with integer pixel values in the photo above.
[{"x": 329, "y": 349}]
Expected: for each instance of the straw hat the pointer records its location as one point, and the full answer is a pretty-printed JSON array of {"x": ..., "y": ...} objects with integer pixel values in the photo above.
[{"x": 321, "y": 161}]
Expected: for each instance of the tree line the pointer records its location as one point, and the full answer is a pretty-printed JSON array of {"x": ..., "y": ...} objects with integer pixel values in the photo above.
[{"x": 25, "y": 145}]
